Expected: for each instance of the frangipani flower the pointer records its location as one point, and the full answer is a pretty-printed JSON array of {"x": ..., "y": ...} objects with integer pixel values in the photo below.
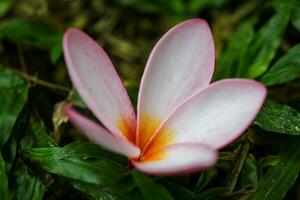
[{"x": 182, "y": 120}]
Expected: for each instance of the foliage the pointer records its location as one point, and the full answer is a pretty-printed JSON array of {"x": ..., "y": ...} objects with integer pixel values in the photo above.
[
  {"x": 281, "y": 177},
  {"x": 285, "y": 69},
  {"x": 43, "y": 157},
  {"x": 13, "y": 96},
  {"x": 279, "y": 118}
]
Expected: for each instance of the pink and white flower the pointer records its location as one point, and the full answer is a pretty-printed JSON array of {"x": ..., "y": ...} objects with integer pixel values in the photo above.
[{"x": 182, "y": 120}]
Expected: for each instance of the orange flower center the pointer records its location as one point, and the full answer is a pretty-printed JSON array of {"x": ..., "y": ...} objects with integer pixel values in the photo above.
[
  {"x": 128, "y": 129},
  {"x": 147, "y": 138}
]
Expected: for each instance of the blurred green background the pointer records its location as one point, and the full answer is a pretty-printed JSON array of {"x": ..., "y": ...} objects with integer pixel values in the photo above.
[{"x": 254, "y": 39}]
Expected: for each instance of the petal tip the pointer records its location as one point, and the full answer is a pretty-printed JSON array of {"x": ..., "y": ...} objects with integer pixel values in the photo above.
[
  {"x": 72, "y": 30},
  {"x": 195, "y": 20},
  {"x": 71, "y": 33},
  {"x": 255, "y": 84}
]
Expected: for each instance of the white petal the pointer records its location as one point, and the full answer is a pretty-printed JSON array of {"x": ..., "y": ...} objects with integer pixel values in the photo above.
[
  {"x": 216, "y": 115},
  {"x": 180, "y": 64},
  {"x": 180, "y": 159},
  {"x": 101, "y": 136},
  {"x": 98, "y": 83}
]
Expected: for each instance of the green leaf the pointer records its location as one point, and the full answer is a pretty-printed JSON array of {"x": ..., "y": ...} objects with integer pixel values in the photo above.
[
  {"x": 5, "y": 6},
  {"x": 13, "y": 96},
  {"x": 10, "y": 149},
  {"x": 279, "y": 118},
  {"x": 30, "y": 32},
  {"x": 213, "y": 193},
  {"x": 56, "y": 51},
  {"x": 237, "y": 166},
  {"x": 33, "y": 32},
  {"x": 4, "y": 181},
  {"x": 205, "y": 179},
  {"x": 26, "y": 185},
  {"x": 178, "y": 192},
  {"x": 295, "y": 16},
  {"x": 280, "y": 178},
  {"x": 256, "y": 57},
  {"x": 285, "y": 69},
  {"x": 249, "y": 173},
  {"x": 79, "y": 161},
  {"x": 149, "y": 188},
  {"x": 268, "y": 161},
  {"x": 36, "y": 134},
  {"x": 97, "y": 192},
  {"x": 228, "y": 61}
]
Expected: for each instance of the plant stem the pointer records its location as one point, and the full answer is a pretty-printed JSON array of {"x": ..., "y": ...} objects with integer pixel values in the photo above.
[{"x": 37, "y": 81}]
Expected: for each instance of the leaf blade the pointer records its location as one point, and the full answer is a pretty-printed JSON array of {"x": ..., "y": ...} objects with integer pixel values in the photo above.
[
  {"x": 13, "y": 96},
  {"x": 285, "y": 69},
  {"x": 256, "y": 57},
  {"x": 280, "y": 178},
  {"x": 79, "y": 161},
  {"x": 279, "y": 118},
  {"x": 4, "y": 181},
  {"x": 149, "y": 188}
]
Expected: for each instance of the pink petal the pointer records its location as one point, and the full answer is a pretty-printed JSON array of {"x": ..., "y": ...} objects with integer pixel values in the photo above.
[
  {"x": 180, "y": 159},
  {"x": 180, "y": 64},
  {"x": 101, "y": 136},
  {"x": 97, "y": 82},
  {"x": 216, "y": 115}
]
